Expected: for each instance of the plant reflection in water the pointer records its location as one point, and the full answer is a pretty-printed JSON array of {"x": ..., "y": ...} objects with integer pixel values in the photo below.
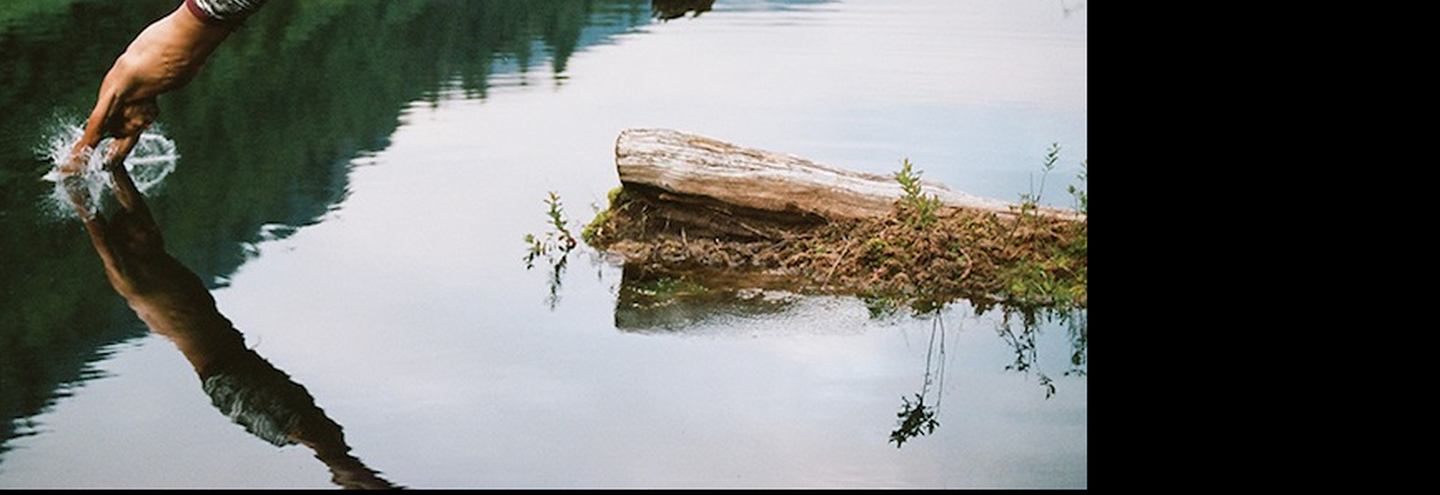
[
  {"x": 173, "y": 302},
  {"x": 917, "y": 419},
  {"x": 651, "y": 302},
  {"x": 654, "y": 300},
  {"x": 1023, "y": 343},
  {"x": 555, "y": 245}
]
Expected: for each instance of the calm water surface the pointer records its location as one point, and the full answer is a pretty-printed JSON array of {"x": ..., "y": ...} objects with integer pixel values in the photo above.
[{"x": 353, "y": 182}]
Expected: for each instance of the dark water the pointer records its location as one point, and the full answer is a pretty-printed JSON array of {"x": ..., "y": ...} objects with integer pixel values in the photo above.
[{"x": 355, "y": 178}]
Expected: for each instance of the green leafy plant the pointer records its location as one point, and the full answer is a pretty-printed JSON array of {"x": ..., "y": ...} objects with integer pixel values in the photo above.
[
  {"x": 1032, "y": 199},
  {"x": 921, "y": 210},
  {"x": 556, "y": 243},
  {"x": 557, "y": 220},
  {"x": 536, "y": 249},
  {"x": 1082, "y": 198}
]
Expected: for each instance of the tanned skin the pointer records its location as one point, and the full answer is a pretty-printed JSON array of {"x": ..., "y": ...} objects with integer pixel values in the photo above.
[
  {"x": 173, "y": 301},
  {"x": 163, "y": 58},
  {"x": 166, "y": 295}
]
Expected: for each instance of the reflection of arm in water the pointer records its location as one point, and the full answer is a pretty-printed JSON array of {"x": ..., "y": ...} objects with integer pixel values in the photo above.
[
  {"x": 173, "y": 302},
  {"x": 162, "y": 58}
]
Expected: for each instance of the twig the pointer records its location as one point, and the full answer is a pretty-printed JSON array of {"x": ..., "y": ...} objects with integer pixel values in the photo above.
[
  {"x": 752, "y": 229},
  {"x": 969, "y": 263},
  {"x": 839, "y": 258}
]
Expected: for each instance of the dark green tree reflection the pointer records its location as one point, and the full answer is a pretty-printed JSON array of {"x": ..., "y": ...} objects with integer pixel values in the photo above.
[
  {"x": 674, "y": 9},
  {"x": 267, "y": 133},
  {"x": 173, "y": 302}
]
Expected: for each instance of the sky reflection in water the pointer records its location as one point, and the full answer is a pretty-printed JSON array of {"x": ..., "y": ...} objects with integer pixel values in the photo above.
[{"x": 360, "y": 220}]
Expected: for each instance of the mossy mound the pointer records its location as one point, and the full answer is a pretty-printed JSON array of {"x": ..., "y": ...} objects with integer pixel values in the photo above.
[{"x": 1024, "y": 260}]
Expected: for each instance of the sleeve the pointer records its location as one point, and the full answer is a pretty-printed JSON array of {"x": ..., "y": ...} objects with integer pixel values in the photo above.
[{"x": 223, "y": 11}]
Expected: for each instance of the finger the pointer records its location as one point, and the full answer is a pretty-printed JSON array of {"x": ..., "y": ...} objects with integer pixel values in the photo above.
[
  {"x": 107, "y": 104},
  {"x": 126, "y": 193}
]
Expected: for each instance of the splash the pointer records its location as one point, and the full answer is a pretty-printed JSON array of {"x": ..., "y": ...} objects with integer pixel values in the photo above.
[{"x": 152, "y": 159}]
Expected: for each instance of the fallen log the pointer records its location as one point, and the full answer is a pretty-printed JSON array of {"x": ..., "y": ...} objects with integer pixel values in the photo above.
[
  {"x": 694, "y": 205},
  {"x": 707, "y": 174}
]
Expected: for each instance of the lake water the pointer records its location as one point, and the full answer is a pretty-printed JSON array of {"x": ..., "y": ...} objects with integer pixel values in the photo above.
[{"x": 352, "y": 185}]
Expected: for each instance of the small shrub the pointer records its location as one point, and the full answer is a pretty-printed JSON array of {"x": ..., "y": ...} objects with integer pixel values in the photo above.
[
  {"x": 556, "y": 243},
  {"x": 920, "y": 209},
  {"x": 1082, "y": 198},
  {"x": 1031, "y": 200},
  {"x": 557, "y": 220}
]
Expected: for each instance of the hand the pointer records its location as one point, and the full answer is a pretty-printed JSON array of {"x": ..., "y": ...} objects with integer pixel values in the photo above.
[{"x": 164, "y": 57}]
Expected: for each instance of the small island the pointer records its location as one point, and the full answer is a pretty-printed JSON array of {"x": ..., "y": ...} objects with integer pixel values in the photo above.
[{"x": 694, "y": 208}]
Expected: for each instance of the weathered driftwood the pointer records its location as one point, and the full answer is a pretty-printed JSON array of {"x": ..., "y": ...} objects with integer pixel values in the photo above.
[{"x": 701, "y": 173}]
